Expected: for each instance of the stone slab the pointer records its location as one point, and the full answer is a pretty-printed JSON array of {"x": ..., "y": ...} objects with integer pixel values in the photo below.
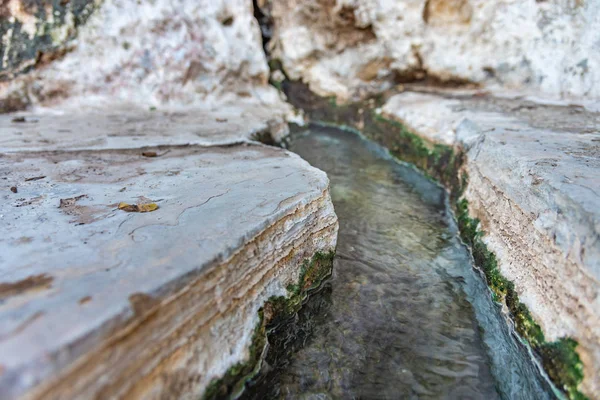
[
  {"x": 126, "y": 125},
  {"x": 534, "y": 182},
  {"x": 97, "y": 301}
]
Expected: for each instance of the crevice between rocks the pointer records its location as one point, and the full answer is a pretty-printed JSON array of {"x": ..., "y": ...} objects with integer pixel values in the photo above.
[
  {"x": 275, "y": 310},
  {"x": 443, "y": 164}
]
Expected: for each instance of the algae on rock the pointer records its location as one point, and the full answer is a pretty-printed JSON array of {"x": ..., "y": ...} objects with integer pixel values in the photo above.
[{"x": 312, "y": 274}]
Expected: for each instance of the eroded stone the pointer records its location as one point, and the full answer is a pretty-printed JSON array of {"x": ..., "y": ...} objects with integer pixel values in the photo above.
[{"x": 152, "y": 53}]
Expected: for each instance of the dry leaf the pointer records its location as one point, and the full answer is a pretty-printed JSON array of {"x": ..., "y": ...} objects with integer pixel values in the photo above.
[
  {"x": 128, "y": 207},
  {"x": 147, "y": 207}
]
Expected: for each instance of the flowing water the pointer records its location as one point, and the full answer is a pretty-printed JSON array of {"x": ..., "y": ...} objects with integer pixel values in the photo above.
[{"x": 404, "y": 315}]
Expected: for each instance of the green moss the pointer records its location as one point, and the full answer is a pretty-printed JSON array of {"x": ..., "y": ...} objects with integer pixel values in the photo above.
[
  {"x": 235, "y": 377},
  {"x": 501, "y": 287},
  {"x": 563, "y": 365},
  {"x": 312, "y": 273},
  {"x": 443, "y": 163},
  {"x": 276, "y": 84},
  {"x": 275, "y": 64},
  {"x": 56, "y": 24},
  {"x": 560, "y": 359}
]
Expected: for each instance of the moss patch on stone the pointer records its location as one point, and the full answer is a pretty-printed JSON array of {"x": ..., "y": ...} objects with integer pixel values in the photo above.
[
  {"x": 502, "y": 289},
  {"x": 277, "y": 308},
  {"x": 438, "y": 162},
  {"x": 235, "y": 377},
  {"x": 31, "y": 44},
  {"x": 443, "y": 163},
  {"x": 559, "y": 358},
  {"x": 563, "y": 365}
]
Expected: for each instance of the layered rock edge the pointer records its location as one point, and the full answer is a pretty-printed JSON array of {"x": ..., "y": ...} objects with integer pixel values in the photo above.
[{"x": 100, "y": 302}]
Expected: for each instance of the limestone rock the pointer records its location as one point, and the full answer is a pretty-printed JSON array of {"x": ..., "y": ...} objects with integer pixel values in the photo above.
[
  {"x": 534, "y": 182},
  {"x": 120, "y": 125},
  {"x": 349, "y": 48},
  {"x": 150, "y": 52},
  {"x": 97, "y": 302}
]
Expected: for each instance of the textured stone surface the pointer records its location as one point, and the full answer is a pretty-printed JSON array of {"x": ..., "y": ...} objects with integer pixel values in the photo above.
[
  {"x": 153, "y": 53},
  {"x": 534, "y": 182},
  {"x": 351, "y": 47},
  {"x": 126, "y": 125},
  {"x": 97, "y": 302}
]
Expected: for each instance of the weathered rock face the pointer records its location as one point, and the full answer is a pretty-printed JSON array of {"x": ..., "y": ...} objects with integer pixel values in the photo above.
[
  {"x": 99, "y": 302},
  {"x": 534, "y": 183},
  {"x": 153, "y": 53},
  {"x": 348, "y": 48},
  {"x": 151, "y": 101}
]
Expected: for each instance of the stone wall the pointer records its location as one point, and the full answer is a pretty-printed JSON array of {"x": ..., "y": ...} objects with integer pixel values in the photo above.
[
  {"x": 210, "y": 51},
  {"x": 349, "y": 48}
]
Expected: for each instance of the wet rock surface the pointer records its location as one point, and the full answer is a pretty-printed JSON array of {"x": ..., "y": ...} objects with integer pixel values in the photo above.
[
  {"x": 138, "y": 271},
  {"x": 123, "y": 98},
  {"x": 534, "y": 182}
]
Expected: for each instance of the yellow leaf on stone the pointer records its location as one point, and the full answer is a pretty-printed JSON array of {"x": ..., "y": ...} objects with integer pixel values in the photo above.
[
  {"x": 128, "y": 207},
  {"x": 149, "y": 207}
]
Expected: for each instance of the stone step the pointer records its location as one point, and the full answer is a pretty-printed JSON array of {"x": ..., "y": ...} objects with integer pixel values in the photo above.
[{"x": 100, "y": 300}]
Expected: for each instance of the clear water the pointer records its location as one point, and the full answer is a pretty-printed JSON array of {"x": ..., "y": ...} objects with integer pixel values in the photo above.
[{"x": 405, "y": 315}]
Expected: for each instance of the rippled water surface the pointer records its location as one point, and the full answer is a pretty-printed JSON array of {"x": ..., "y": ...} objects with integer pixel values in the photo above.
[{"x": 405, "y": 315}]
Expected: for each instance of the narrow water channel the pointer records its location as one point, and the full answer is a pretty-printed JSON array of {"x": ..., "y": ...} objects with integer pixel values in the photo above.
[{"x": 404, "y": 315}]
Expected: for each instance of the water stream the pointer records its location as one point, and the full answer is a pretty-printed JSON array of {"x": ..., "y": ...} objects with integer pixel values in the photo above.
[{"x": 404, "y": 315}]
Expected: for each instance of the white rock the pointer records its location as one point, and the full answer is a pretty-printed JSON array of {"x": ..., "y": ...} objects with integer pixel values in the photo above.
[
  {"x": 158, "y": 53},
  {"x": 549, "y": 48},
  {"x": 96, "y": 302}
]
